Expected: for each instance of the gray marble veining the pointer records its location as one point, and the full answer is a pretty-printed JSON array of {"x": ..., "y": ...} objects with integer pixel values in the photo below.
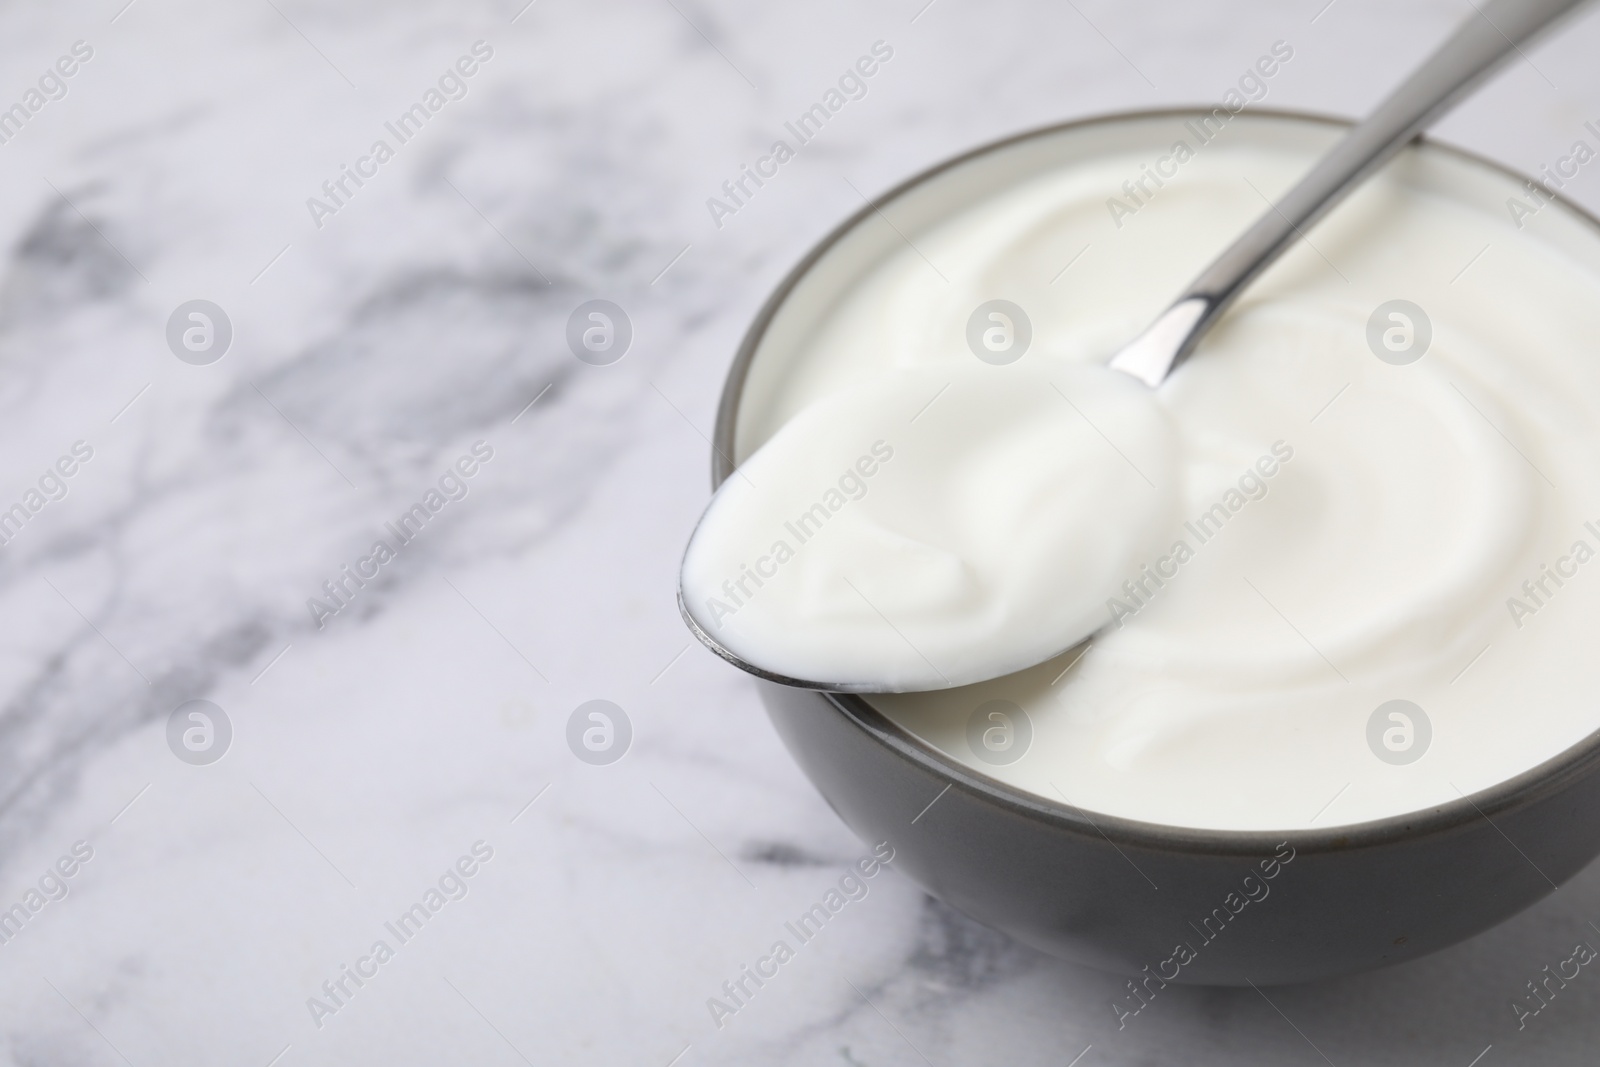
[{"x": 429, "y": 713}]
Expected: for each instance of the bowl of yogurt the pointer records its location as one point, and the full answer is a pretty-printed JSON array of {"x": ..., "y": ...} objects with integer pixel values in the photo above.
[{"x": 1339, "y": 711}]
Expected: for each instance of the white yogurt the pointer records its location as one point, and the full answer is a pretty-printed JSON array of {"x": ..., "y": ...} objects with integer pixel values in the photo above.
[
  {"x": 936, "y": 526},
  {"x": 1353, "y": 531}
]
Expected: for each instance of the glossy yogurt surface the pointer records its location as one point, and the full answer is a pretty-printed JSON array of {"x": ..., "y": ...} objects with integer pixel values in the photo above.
[{"x": 1380, "y": 591}]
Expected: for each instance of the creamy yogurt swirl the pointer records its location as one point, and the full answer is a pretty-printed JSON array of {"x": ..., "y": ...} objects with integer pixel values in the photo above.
[{"x": 1357, "y": 526}]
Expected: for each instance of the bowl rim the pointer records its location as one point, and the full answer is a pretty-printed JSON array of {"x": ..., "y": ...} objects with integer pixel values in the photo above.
[{"x": 1520, "y": 791}]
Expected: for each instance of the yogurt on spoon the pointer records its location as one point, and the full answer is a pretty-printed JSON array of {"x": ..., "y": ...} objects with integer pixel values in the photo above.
[{"x": 936, "y": 526}]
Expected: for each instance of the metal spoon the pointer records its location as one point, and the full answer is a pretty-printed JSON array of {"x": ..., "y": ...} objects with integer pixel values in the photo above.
[
  {"x": 1489, "y": 38},
  {"x": 1494, "y": 33}
]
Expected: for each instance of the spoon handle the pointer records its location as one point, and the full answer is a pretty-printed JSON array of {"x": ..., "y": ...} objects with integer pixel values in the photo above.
[{"x": 1494, "y": 33}]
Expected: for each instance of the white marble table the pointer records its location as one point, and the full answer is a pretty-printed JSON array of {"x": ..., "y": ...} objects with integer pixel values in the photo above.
[{"x": 376, "y": 339}]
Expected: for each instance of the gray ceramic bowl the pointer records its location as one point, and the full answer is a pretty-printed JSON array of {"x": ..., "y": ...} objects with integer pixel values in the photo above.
[{"x": 1160, "y": 902}]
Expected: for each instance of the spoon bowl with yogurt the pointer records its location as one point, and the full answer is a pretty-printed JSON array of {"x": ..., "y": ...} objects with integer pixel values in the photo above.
[{"x": 944, "y": 525}]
